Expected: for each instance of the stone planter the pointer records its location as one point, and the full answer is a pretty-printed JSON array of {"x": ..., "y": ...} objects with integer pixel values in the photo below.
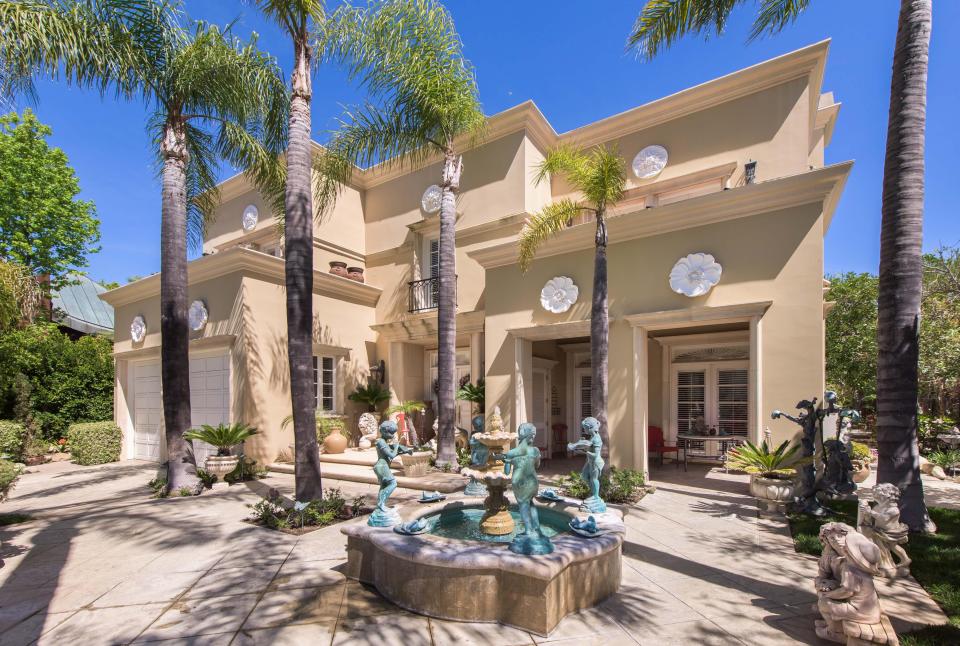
[
  {"x": 338, "y": 268},
  {"x": 355, "y": 273},
  {"x": 773, "y": 494},
  {"x": 220, "y": 465},
  {"x": 861, "y": 471},
  {"x": 416, "y": 465},
  {"x": 336, "y": 442}
]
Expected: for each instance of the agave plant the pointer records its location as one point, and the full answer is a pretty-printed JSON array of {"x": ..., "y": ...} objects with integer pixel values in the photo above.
[
  {"x": 780, "y": 463},
  {"x": 222, "y": 436},
  {"x": 373, "y": 394},
  {"x": 473, "y": 393}
]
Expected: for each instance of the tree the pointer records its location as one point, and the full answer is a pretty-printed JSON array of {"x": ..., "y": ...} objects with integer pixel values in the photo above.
[
  {"x": 599, "y": 176},
  {"x": 19, "y": 295},
  {"x": 661, "y": 22},
  {"x": 851, "y": 339},
  {"x": 43, "y": 226},
  {"x": 423, "y": 105}
]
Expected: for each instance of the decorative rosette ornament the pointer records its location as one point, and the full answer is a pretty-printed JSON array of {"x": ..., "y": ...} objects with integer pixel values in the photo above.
[
  {"x": 650, "y": 161},
  {"x": 695, "y": 275},
  {"x": 197, "y": 315},
  {"x": 138, "y": 328},
  {"x": 559, "y": 294},
  {"x": 431, "y": 199},
  {"x": 250, "y": 217}
]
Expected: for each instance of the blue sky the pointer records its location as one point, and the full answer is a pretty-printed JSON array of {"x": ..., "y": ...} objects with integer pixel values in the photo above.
[{"x": 567, "y": 56}]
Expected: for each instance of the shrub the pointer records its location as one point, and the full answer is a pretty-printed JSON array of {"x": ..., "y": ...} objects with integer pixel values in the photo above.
[
  {"x": 9, "y": 472},
  {"x": 53, "y": 381},
  {"x": 860, "y": 452},
  {"x": 316, "y": 513},
  {"x": 945, "y": 459},
  {"x": 618, "y": 486},
  {"x": 159, "y": 487},
  {"x": 760, "y": 460},
  {"x": 12, "y": 439},
  {"x": 95, "y": 442},
  {"x": 223, "y": 436}
]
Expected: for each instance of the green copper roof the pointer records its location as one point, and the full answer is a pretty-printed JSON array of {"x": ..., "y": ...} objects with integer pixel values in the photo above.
[{"x": 78, "y": 307}]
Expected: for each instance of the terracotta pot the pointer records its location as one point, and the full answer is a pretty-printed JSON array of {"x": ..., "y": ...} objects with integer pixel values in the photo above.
[
  {"x": 338, "y": 268},
  {"x": 860, "y": 472},
  {"x": 772, "y": 493},
  {"x": 220, "y": 465},
  {"x": 355, "y": 273},
  {"x": 336, "y": 442}
]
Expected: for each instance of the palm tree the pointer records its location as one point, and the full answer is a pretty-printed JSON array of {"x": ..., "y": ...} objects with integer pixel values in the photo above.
[
  {"x": 599, "y": 176},
  {"x": 298, "y": 18},
  {"x": 424, "y": 105},
  {"x": 901, "y": 264}
]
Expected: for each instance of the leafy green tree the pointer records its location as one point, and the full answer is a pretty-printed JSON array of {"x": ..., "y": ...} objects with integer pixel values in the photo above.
[
  {"x": 43, "y": 226},
  {"x": 599, "y": 176},
  {"x": 19, "y": 295},
  {"x": 851, "y": 339},
  {"x": 423, "y": 106},
  {"x": 661, "y": 22}
]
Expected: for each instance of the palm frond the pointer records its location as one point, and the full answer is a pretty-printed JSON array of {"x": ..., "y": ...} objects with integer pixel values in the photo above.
[
  {"x": 605, "y": 178},
  {"x": 774, "y": 15},
  {"x": 565, "y": 159},
  {"x": 662, "y": 22},
  {"x": 293, "y": 15},
  {"x": 552, "y": 218}
]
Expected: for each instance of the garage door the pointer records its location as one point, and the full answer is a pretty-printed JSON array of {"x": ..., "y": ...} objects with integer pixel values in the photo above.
[
  {"x": 148, "y": 416},
  {"x": 209, "y": 403}
]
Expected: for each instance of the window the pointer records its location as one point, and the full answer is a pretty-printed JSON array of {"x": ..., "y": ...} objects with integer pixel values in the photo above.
[
  {"x": 324, "y": 383},
  {"x": 433, "y": 259}
]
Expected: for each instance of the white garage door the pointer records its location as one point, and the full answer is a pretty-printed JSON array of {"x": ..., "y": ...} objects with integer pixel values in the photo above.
[
  {"x": 148, "y": 416},
  {"x": 209, "y": 403}
]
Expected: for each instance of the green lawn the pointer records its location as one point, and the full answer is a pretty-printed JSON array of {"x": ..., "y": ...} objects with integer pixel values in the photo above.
[{"x": 936, "y": 564}]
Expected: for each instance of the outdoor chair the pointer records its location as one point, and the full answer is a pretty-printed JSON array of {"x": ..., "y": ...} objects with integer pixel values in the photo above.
[
  {"x": 655, "y": 444},
  {"x": 559, "y": 438}
]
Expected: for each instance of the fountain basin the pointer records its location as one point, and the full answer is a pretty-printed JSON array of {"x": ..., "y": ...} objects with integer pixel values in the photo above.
[{"x": 483, "y": 581}]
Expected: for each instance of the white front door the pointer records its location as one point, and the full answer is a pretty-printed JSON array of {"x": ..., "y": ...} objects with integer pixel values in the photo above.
[
  {"x": 718, "y": 392},
  {"x": 463, "y": 408},
  {"x": 541, "y": 409},
  {"x": 148, "y": 412}
]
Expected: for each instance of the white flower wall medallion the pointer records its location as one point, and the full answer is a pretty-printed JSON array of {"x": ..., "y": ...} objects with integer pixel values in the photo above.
[
  {"x": 197, "y": 315},
  {"x": 250, "y": 217},
  {"x": 138, "y": 328},
  {"x": 695, "y": 275},
  {"x": 650, "y": 161},
  {"x": 431, "y": 199},
  {"x": 559, "y": 294}
]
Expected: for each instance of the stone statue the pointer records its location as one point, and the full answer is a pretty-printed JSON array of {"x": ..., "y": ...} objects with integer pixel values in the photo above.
[
  {"x": 479, "y": 454},
  {"x": 881, "y": 524},
  {"x": 838, "y": 468},
  {"x": 387, "y": 449},
  {"x": 496, "y": 421},
  {"x": 808, "y": 421},
  {"x": 368, "y": 430},
  {"x": 846, "y": 596},
  {"x": 591, "y": 445},
  {"x": 521, "y": 463}
]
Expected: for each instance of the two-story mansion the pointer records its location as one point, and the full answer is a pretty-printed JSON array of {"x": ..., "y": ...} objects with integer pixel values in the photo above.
[{"x": 733, "y": 168}]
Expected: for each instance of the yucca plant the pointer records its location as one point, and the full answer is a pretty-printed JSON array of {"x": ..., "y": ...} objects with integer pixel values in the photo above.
[
  {"x": 373, "y": 394},
  {"x": 222, "y": 436},
  {"x": 473, "y": 393},
  {"x": 779, "y": 464}
]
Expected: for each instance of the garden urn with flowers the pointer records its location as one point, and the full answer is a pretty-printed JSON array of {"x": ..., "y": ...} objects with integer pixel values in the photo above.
[
  {"x": 224, "y": 437},
  {"x": 772, "y": 473}
]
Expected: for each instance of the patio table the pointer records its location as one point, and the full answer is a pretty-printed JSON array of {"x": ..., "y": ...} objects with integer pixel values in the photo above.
[{"x": 699, "y": 442}]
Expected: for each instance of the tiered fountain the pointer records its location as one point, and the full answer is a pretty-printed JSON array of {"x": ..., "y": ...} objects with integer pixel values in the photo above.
[{"x": 521, "y": 565}]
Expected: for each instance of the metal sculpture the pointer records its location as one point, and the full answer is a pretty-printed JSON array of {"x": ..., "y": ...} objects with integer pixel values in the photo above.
[
  {"x": 387, "y": 450},
  {"x": 591, "y": 445},
  {"x": 521, "y": 463}
]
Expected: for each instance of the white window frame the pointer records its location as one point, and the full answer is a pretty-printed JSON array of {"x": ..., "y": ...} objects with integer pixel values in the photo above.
[
  {"x": 318, "y": 382},
  {"x": 711, "y": 391}
]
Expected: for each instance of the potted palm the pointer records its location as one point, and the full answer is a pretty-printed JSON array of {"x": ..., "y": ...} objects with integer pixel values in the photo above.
[
  {"x": 223, "y": 437},
  {"x": 473, "y": 393},
  {"x": 418, "y": 462},
  {"x": 373, "y": 394},
  {"x": 771, "y": 472}
]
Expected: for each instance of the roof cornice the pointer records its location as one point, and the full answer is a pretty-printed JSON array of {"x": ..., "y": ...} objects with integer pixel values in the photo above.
[
  {"x": 249, "y": 262},
  {"x": 821, "y": 185}
]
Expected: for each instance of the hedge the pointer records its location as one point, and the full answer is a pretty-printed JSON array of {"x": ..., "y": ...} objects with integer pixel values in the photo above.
[
  {"x": 12, "y": 438},
  {"x": 9, "y": 472},
  {"x": 94, "y": 442}
]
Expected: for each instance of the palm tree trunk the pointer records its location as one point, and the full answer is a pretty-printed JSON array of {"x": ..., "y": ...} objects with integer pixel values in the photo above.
[
  {"x": 600, "y": 333},
  {"x": 901, "y": 267},
  {"x": 447, "y": 312},
  {"x": 174, "y": 333},
  {"x": 298, "y": 261}
]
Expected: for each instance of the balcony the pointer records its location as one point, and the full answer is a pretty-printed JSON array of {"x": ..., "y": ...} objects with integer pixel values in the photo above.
[{"x": 424, "y": 294}]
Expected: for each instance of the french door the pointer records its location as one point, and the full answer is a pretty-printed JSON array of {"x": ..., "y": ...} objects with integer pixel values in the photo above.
[{"x": 712, "y": 394}]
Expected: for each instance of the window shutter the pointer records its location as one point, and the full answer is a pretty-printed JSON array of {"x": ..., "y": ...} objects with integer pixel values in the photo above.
[
  {"x": 691, "y": 398},
  {"x": 732, "y": 401}
]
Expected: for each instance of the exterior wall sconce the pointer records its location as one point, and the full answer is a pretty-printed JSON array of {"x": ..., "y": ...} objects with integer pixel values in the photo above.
[
  {"x": 378, "y": 372},
  {"x": 750, "y": 171}
]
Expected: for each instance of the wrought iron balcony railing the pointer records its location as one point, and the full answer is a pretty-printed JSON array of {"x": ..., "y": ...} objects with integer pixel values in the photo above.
[{"x": 424, "y": 294}]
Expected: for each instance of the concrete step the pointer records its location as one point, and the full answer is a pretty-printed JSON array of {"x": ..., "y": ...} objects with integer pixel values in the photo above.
[
  {"x": 442, "y": 482},
  {"x": 364, "y": 457}
]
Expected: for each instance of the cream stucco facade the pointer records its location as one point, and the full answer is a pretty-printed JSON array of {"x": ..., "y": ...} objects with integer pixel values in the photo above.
[{"x": 753, "y": 343}]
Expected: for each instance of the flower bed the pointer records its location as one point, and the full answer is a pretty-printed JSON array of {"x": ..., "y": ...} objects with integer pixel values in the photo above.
[{"x": 305, "y": 517}]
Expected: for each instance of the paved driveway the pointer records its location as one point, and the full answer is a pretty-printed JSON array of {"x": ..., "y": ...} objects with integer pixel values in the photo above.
[{"x": 102, "y": 563}]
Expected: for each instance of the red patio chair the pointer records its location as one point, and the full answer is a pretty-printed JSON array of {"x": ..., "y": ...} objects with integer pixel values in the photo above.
[{"x": 655, "y": 444}]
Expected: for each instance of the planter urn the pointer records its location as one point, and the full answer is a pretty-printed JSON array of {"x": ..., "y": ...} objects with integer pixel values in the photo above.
[
  {"x": 220, "y": 465},
  {"x": 338, "y": 268},
  {"x": 861, "y": 471},
  {"x": 417, "y": 464},
  {"x": 355, "y": 273},
  {"x": 336, "y": 442},
  {"x": 773, "y": 494}
]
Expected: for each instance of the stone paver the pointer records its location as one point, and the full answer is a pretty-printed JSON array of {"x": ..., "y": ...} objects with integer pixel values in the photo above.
[{"x": 102, "y": 563}]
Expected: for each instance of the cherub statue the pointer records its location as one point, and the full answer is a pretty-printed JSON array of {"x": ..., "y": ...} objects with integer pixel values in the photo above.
[
  {"x": 881, "y": 524},
  {"x": 591, "y": 445},
  {"x": 479, "y": 455},
  {"x": 521, "y": 463},
  {"x": 367, "y": 426},
  {"x": 808, "y": 420},
  {"x": 387, "y": 449},
  {"x": 845, "y": 588}
]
